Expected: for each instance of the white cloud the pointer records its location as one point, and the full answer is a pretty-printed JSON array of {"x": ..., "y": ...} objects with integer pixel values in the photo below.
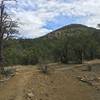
[{"x": 34, "y": 14}]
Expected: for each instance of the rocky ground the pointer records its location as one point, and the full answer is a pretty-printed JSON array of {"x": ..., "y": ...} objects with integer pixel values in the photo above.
[{"x": 63, "y": 82}]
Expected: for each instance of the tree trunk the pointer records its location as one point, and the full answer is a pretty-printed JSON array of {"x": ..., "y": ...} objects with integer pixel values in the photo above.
[
  {"x": 81, "y": 55},
  {"x": 1, "y": 36},
  {"x": 1, "y": 55},
  {"x": 92, "y": 55}
]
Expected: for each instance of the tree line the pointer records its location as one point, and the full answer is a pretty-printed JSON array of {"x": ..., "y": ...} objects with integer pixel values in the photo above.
[{"x": 74, "y": 45}]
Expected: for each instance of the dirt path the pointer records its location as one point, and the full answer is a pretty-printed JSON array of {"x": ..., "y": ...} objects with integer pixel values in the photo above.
[
  {"x": 61, "y": 84},
  {"x": 14, "y": 88}
]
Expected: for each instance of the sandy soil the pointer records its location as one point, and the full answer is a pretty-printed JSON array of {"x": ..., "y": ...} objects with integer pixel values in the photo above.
[{"x": 29, "y": 84}]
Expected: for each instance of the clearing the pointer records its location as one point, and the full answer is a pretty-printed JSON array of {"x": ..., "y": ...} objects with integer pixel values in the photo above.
[{"x": 60, "y": 84}]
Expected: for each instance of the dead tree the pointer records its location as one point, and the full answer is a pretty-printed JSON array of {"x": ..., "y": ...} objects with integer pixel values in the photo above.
[{"x": 7, "y": 28}]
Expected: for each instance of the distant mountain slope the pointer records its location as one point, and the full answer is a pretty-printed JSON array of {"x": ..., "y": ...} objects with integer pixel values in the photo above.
[{"x": 72, "y": 29}]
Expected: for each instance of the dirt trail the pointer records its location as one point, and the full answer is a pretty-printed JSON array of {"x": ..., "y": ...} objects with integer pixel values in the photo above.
[
  {"x": 14, "y": 88},
  {"x": 60, "y": 84}
]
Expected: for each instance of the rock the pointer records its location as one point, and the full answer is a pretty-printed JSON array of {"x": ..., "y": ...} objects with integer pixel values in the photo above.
[
  {"x": 95, "y": 82},
  {"x": 97, "y": 79},
  {"x": 30, "y": 95}
]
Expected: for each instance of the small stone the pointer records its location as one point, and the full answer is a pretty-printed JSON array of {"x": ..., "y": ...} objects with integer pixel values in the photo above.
[
  {"x": 98, "y": 78},
  {"x": 30, "y": 95}
]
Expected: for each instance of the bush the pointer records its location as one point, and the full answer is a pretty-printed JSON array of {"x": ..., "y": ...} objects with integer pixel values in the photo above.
[{"x": 8, "y": 72}]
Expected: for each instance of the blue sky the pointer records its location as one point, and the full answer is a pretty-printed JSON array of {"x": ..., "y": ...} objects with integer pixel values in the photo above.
[
  {"x": 62, "y": 21},
  {"x": 38, "y": 17}
]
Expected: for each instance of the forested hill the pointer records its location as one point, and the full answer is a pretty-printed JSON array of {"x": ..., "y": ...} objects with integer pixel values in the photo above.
[
  {"x": 69, "y": 44},
  {"x": 73, "y": 29}
]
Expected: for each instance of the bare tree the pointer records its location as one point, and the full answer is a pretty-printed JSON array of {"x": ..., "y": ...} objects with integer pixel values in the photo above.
[{"x": 7, "y": 29}]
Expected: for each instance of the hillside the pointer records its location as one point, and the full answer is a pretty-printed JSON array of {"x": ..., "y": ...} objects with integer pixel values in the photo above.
[
  {"x": 71, "y": 43},
  {"x": 73, "y": 29}
]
